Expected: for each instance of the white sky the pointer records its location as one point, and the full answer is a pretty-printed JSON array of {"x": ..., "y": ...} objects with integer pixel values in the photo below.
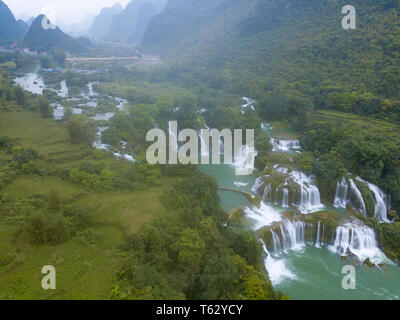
[{"x": 68, "y": 11}]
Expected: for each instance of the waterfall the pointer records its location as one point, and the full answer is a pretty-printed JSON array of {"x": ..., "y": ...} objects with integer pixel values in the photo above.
[
  {"x": 290, "y": 236},
  {"x": 267, "y": 190},
  {"x": 357, "y": 193},
  {"x": 98, "y": 144},
  {"x": 257, "y": 185},
  {"x": 204, "y": 146},
  {"x": 221, "y": 146},
  {"x": 341, "y": 194},
  {"x": 285, "y": 199},
  {"x": 285, "y": 145},
  {"x": 310, "y": 197},
  {"x": 63, "y": 92},
  {"x": 277, "y": 270},
  {"x": 317, "y": 244},
  {"x": 359, "y": 240},
  {"x": 380, "y": 204},
  {"x": 244, "y": 160},
  {"x": 248, "y": 103},
  {"x": 352, "y": 238},
  {"x": 380, "y": 201},
  {"x": 263, "y": 216}
]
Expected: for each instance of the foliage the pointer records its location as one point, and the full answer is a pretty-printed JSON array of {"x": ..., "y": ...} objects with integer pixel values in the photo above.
[
  {"x": 189, "y": 255},
  {"x": 44, "y": 107},
  {"x": 81, "y": 131},
  {"x": 46, "y": 227}
]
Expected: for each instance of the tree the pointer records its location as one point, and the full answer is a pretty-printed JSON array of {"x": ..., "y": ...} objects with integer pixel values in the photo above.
[
  {"x": 46, "y": 62},
  {"x": 20, "y": 95},
  {"x": 59, "y": 56},
  {"x": 81, "y": 131},
  {"x": 44, "y": 107},
  {"x": 190, "y": 248}
]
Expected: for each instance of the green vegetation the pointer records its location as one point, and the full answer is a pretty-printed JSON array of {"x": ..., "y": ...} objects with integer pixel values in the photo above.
[
  {"x": 42, "y": 39},
  {"x": 186, "y": 254},
  {"x": 363, "y": 147},
  {"x": 282, "y": 50},
  {"x": 147, "y": 231}
]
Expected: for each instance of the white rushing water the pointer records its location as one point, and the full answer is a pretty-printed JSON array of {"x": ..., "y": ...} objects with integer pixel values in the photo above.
[
  {"x": 245, "y": 160},
  {"x": 352, "y": 238},
  {"x": 204, "y": 146},
  {"x": 240, "y": 184},
  {"x": 357, "y": 193},
  {"x": 31, "y": 82},
  {"x": 263, "y": 216},
  {"x": 359, "y": 240},
  {"x": 98, "y": 143},
  {"x": 285, "y": 198},
  {"x": 380, "y": 201},
  {"x": 285, "y": 145},
  {"x": 290, "y": 237},
  {"x": 103, "y": 117},
  {"x": 277, "y": 269},
  {"x": 248, "y": 102},
  {"x": 63, "y": 92},
  {"x": 310, "y": 200},
  {"x": 341, "y": 194}
]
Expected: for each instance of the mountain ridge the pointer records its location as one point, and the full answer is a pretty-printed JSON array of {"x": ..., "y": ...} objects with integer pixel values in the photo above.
[
  {"x": 10, "y": 28},
  {"x": 42, "y": 39}
]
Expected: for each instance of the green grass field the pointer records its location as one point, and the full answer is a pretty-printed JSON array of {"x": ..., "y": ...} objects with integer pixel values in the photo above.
[
  {"x": 85, "y": 269},
  {"x": 358, "y": 121}
]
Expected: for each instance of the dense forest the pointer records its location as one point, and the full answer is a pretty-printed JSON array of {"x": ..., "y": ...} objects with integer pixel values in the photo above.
[{"x": 288, "y": 48}]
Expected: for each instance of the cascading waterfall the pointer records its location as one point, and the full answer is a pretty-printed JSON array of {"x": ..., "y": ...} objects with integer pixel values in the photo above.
[
  {"x": 257, "y": 185},
  {"x": 380, "y": 201},
  {"x": 285, "y": 145},
  {"x": 204, "y": 147},
  {"x": 359, "y": 240},
  {"x": 341, "y": 194},
  {"x": 285, "y": 199},
  {"x": 317, "y": 242},
  {"x": 263, "y": 216},
  {"x": 248, "y": 103},
  {"x": 267, "y": 190},
  {"x": 352, "y": 238},
  {"x": 290, "y": 236},
  {"x": 357, "y": 193},
  {"x": 245, "y": 158},
  {"x": 277, "y": 270},
  {"x": 63, "y": 92},
  {"x": 310, "y": 200}
]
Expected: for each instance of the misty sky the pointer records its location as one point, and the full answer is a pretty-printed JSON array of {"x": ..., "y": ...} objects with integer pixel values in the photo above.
[{"x": 68, "y": 11}]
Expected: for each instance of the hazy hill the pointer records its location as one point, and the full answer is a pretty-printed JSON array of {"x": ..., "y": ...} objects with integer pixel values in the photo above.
[
  {"x": 10, "y": 29},
  {"x": 130, "y": 23},
  {"x": 78, "y": 29},
  {"x": 102, "y": 23},
  {"x": 145, "y": 13},
  {"x": 39, "y": 38}
]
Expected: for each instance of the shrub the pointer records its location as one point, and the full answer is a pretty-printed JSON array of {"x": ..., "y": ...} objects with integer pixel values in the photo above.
[
  {"x": 44, "y": 227},
  {"x": 80, "y": 131}
]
